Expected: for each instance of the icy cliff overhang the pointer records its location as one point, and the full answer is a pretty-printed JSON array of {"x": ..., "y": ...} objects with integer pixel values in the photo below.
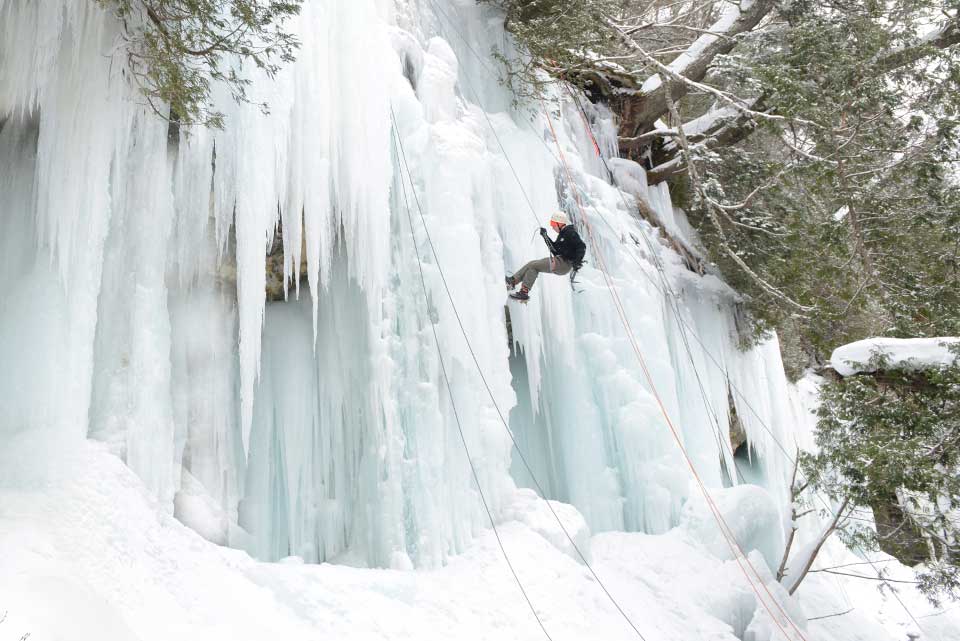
[{"x": 900, "y": 353}]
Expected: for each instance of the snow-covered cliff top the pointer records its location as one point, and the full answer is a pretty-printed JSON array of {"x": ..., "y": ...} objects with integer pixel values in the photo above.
[{"x": 903, "y": 353}]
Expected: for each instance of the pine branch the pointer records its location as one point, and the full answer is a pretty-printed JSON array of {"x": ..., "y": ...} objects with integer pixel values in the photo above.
[{"x": 714, "y": 218}]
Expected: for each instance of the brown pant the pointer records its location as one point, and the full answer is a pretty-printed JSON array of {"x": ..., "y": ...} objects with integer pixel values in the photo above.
[{"x": 550, "y": 265}]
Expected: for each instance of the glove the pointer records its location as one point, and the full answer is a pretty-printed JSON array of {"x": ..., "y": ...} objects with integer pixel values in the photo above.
[{"x": 543, "y": 232}]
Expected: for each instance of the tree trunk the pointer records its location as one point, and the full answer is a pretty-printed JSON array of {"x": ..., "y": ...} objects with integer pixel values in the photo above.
[{"x": 638, "y": 111}]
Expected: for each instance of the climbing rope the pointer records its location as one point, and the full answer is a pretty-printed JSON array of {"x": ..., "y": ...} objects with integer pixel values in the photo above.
[
  {"x": 725, "y": 529},
  {"x": 682, "y": 323},
  {"x": 493, "y": 400},
  {"x": 672, "y": 297},
  {"x": 669, "y": 295},
  {"x": 446, "y": 379}
]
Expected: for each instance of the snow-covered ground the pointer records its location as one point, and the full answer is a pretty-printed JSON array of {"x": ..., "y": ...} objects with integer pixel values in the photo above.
[{"x": 86, "y": 553}]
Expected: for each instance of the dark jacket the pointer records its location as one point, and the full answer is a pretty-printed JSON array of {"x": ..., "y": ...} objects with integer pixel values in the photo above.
[{"x": 568, "y": 246}]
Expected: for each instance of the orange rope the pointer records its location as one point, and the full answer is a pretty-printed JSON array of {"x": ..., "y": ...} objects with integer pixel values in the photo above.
[
  {"x": 596, "y": 148},
  {"x": 725, "y": 529}
]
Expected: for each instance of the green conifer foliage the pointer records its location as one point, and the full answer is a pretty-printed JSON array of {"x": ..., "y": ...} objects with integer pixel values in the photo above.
[
  {"x": 178, "y": 49},
  {"x": 890, "y": 438}
]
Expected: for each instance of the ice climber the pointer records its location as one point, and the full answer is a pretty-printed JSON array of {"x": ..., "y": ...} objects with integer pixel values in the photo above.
[{"x": 566, "y": 254}]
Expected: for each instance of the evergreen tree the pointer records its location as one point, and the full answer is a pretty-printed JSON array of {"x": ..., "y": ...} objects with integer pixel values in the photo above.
[
  {"x": 851, "y": 207},
  {"x": 561, "y": 37},
  {"x": 177, "y": 50},
  {"x": 887, "y": 442}
]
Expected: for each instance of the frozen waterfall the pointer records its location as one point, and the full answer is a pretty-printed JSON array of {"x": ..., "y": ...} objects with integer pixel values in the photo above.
[{"x": 133, "y": 308}]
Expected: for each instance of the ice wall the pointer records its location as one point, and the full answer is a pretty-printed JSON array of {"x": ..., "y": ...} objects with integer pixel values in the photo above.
[{"x": 133, "y": 305}]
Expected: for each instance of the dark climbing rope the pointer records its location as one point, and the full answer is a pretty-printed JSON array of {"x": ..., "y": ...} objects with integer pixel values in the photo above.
[
  {"x": 721, "y": 522},
  {"x": 446, "y": 380},
  {"x": 682, "y": 324},
  {"x": 707, "y": 352},
  {"x": 496, "y": 405},
  {"x": 739, "y": 555}
]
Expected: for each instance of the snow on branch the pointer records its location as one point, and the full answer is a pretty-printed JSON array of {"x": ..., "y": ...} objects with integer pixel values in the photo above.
[
  {"x": 710, "y": 121},
  {"x": 947, "y": 35},
  {"x": 731, "y": 13},
  {"x": 718, "y": 127},
  {"x": 686, "y": 71},
  {"x": 695, "y": 129},
  {"x": 714, "y": 213}
]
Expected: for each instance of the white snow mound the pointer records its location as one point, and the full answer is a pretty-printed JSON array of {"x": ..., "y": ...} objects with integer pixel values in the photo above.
[
  {"x": 532, "y": 511},
  {"x": 748, "y": 511},
  {"x": 86, "y": 552},
  {"x": 903, "y": 353}
]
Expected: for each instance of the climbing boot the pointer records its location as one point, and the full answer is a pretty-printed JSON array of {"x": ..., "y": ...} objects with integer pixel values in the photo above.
[{"x": 523, "y": 295}]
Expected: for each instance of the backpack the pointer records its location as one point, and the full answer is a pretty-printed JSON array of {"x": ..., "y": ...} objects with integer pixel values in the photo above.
[{"x": 574, "y": 250}]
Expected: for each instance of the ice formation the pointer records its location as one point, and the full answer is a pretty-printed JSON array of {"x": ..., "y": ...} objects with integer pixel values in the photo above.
[
  {"x": 320, "y": 424},
  {"x": 133, "y": 310}
]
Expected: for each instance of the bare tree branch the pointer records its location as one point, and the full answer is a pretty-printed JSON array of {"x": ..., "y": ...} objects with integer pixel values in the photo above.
[
  {"x": 946, "y": 36},
  {"x": 827, "y": 616},
  {"x": 830, "y": 529},
  {"x": 645, "y": 108},
  {"x": 712, "y": 214}
]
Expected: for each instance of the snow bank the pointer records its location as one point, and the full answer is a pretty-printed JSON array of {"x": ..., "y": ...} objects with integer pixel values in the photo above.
[
  {"x": 571, "y": 530},
  {"x": 751, "y": 515},
  {"x": 87, "y": 553},
  {"x": 902, "y": 353}
]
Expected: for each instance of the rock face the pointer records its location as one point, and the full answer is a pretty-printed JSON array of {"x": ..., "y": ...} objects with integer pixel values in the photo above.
[
  {"x": 738, "y": 436},
  {"x": 275, "y": 290},
  {"x": 226, "y": 270}
]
